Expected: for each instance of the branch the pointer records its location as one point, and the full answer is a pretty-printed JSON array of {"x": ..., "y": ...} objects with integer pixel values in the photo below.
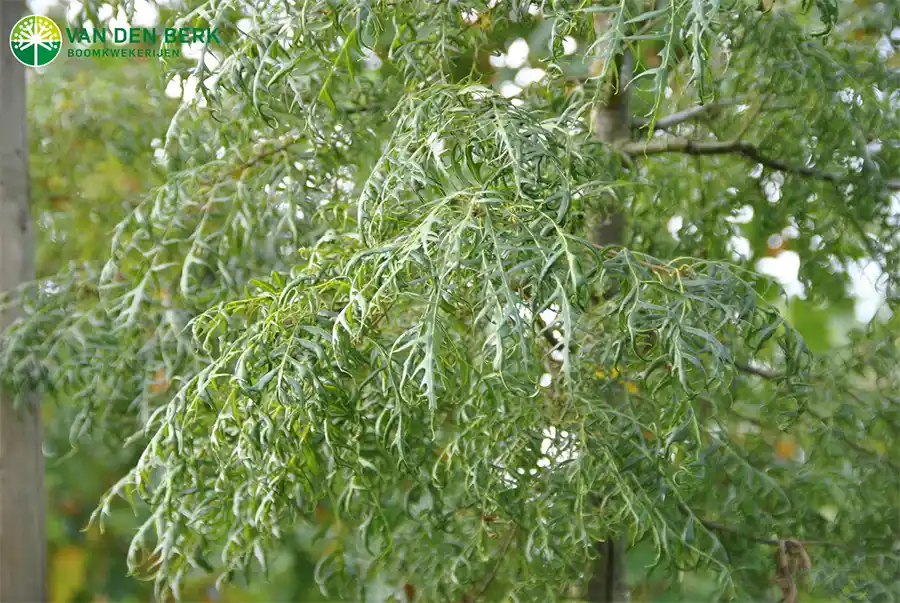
[
  {"x": 664, "y": 123},
  {"x": 773, "y": 375},
  {"x": 738, "y": 147},
  {"x": 500, "y": 557},
  {"x": 851, "y": 443},
  {"x": 757, "y": 370},
  {"x": 253, "y": 160},
  {"x": 719, "y": 527},
  {"x": 496, "y": 567}
]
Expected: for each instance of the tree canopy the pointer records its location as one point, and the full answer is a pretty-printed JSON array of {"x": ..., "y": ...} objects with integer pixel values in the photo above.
[{"x": 372, "y": 296}]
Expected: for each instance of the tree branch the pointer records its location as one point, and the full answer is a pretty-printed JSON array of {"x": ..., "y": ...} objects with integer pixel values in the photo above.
[
  {"x": 500, "y": 556},
  {"x": 496, "y": 567},
  {"x": 719, "y": 527},
  {"x": 774, "y": 375},
  {"x": 664, "y": 123},
  {"x": 255, "y": 159},
  {"x": 737, "y": 147},
  {"x": 757, "y": 370}
]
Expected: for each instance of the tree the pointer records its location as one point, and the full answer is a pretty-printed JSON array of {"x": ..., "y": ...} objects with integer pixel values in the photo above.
[
  {"x": 449, "y": 329},
  {"x": 85, "y": 176},
  {"x": 21, "y": 462}
]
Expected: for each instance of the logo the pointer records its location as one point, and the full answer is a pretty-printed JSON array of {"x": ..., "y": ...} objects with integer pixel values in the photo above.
[
  {"x": 143, "y": 41},
  {"x": 35, "y": 40}
]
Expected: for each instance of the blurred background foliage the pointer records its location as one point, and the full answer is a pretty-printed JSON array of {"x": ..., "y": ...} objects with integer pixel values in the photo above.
[{"x": 95, "y": 127}]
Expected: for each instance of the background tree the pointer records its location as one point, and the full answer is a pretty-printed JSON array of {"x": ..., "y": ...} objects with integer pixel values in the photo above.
[{"x": 365, "y": 301}]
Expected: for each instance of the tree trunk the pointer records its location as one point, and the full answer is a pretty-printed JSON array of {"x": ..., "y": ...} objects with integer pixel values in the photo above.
[
  {"x": 22, "y": 536},
  {"x": 611, "y": 123},
  {"x": 608, "y": 584}
]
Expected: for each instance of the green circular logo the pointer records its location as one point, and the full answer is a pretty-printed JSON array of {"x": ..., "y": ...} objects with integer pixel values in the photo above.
[{"x": 35, "y": 40}]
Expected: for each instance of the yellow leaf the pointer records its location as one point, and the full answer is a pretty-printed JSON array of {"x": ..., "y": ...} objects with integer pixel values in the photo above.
[
  {"x": 786, "y": 449},
  {"x": 67, "y": 574},
  {"x": 601, "y": 374},
  {"x": 160, "y": 383}
]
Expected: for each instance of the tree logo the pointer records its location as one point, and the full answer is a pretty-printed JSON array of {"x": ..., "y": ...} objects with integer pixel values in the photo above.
[{"x": 35, "y": 40}]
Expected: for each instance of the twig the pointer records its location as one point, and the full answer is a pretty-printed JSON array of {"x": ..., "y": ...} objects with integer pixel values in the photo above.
[
  {"x": 758, "y": 371},
  {"x": 738, "y": 147},
  {"x": 254, "y": 160},
  {"x": 666, "y": 122},
  {"x": 851, "y": 443},
  {"x": 496, "y": 568},
  {"x": 770, "y": 374},
  {"x": 720, "y": 527}
]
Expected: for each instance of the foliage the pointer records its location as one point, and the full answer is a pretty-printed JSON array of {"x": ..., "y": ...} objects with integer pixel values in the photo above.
[
  {"x": 89, "y": 106},
  {"x": 363, "y": 305}
]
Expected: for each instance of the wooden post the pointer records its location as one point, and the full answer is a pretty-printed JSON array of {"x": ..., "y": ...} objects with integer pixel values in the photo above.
[{"x": 22, "y": 518}]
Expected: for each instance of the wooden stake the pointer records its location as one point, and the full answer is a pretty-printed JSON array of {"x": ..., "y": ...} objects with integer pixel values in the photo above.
[{"x": 22, "y": 531}]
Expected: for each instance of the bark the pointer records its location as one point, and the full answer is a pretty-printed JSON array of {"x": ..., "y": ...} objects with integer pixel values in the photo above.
[
  {"x": 611, "y": 124},
  {"x": 608, "y": 584},
  {"x": 22, "y": 535}
]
